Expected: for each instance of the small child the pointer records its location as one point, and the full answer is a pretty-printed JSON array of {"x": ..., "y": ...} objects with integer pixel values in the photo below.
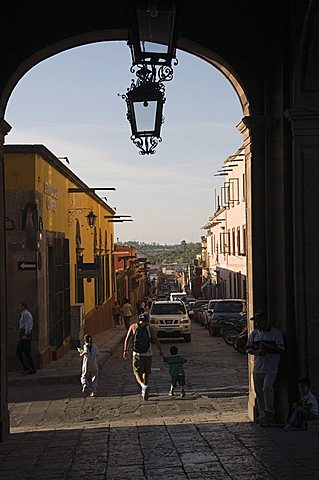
[
  {"x": 89, "y": 375},
  {"x": 176, "y": 370},
  {"x": 305, "y": 409}
]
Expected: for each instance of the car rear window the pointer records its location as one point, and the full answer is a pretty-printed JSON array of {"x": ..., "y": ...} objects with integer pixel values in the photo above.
[
  {"x": 211, "y": 305},
  {"x": 200, "y": 303},
  {"x": 167, "y": 308},
  {"x": 231, "y": 307}
]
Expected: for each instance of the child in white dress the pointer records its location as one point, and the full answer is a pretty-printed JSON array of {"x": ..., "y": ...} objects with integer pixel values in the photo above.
[{"x": 89, "y": 376}]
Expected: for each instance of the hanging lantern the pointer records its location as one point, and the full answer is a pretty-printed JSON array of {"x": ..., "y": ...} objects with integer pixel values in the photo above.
[
  {"x": 145, "y": 114},
  {"x": 153, "y": 32}
]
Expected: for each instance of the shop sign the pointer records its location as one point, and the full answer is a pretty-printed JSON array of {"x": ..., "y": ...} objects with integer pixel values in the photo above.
[{"x": 52, "y": 195}]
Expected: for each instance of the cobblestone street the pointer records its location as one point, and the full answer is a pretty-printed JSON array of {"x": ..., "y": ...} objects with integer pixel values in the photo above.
[{"x": 57, "y": 433}]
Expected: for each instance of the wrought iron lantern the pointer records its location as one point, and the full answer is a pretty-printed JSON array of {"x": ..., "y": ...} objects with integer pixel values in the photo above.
[
  {"x": 153, "y": 32},
  {"x": 152, "y": 40},
  {"x": 91, "y": 219},
  {"x": 145, "y": 114}
]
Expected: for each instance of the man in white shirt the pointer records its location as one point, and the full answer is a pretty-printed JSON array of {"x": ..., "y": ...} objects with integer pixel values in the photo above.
[
  {"x": 127, "y": 311},
  {"x": 266, "y": 343},
  {"x": 25, "y": 335}
]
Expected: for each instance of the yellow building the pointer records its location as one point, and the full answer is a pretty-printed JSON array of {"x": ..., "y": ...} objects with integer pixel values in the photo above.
[{"x": 59, "y": 253}]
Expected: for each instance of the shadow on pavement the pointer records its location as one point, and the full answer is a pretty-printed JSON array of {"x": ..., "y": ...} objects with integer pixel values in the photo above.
[{"x": 172, "y": 451}]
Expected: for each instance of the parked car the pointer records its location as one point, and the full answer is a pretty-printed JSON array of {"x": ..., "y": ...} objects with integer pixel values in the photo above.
[
  {"x": 188, "y": 300},
  {"x": 201, "y": 314},
  {"x": 170, "y": 319},
  {"x": 226, "y": 309},
  {"x": 196, "y": 308},
  {"x": 190, "y": 310},
  {"x": 162, "y": 296},
  {"x": 209, "y": 312},
  {"x": 178, "y": 296}
]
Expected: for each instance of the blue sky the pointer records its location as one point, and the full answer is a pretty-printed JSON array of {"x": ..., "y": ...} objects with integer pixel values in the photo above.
[{"x": 70, "y": 104}]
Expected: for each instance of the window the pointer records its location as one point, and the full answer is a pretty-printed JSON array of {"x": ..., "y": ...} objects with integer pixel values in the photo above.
[
  {"x": 230, "y": 193},
  {"x": 244, "y": 187},
  {"x": 224, "y": 242},
  {"x": 107, "y": 275},
  {"x": 59, "y": 291},
  {"x": 229, "y": 306},
  {"x": 167, "y": 309},
  {"x": 238, "y": 241},
  {"x": 233, "y": 242},
  {"x": 244, "y": 250},
  {"x": 233, "y": 191},
  {"x": 225, "y": 195}
]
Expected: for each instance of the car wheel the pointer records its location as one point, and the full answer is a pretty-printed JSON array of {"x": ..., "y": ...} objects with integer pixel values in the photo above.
[
  {"x": 212, "y": 331},
  {"x": 188, "y": 337},
  {"x": 240, "y": 345},
  {"x": 229, "y": 336}
]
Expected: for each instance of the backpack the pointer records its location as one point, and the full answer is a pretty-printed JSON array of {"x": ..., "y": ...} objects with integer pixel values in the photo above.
[{"x": 141, "y": 342}]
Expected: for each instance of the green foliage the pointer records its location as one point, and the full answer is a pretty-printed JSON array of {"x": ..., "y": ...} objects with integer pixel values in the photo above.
[{"x": 183, "y": 253}]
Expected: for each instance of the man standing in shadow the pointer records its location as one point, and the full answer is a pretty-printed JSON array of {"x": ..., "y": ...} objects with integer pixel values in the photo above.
[{"x": 25, "y": 336}]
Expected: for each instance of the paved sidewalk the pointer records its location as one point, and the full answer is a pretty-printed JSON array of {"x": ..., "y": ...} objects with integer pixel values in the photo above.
[
  {"x": 68, "y": 368},
  {"x": 57, "y": 433}
]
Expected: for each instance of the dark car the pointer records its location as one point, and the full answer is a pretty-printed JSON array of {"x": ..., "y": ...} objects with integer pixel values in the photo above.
[
  {"x": 189, "y": 299},
  {"x": 196, "y": 308},
  {"x": 225, "y": 310},
  {"x": 209, "y": 313}
]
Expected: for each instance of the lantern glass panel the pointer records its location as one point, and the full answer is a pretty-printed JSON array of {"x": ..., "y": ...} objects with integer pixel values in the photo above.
[
  {"x": 150, "y": 47},
  {"x": 145, "y": 115},
  {"x": 154, "y": 26}
]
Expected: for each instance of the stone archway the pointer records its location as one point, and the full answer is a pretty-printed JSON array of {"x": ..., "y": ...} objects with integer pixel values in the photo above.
[
  {"x": 192, "y": 48},
  {"x": 273, "y": 48}
]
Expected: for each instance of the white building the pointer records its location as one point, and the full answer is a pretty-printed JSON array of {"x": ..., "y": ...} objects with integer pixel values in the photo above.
[{"x": 224, "y": 245}]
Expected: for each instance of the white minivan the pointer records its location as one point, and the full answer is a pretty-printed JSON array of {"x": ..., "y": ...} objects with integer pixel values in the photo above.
[{"x": 177, "y": 296}]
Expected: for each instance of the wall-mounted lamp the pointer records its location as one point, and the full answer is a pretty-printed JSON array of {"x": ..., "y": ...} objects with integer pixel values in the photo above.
[
  {"x": 91, "y": 219},
  {"x": 80, "y": 211}
]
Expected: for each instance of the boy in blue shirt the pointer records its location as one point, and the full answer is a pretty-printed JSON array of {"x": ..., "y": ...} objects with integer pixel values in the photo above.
[{"x": 176, "y": 370}]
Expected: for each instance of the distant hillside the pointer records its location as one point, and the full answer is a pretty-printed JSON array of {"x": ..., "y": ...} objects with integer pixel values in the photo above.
[{"x": 179, "y": 253}]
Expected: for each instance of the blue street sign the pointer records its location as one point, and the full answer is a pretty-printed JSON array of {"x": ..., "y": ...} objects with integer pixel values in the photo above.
[{"x": 87, "y": 266}]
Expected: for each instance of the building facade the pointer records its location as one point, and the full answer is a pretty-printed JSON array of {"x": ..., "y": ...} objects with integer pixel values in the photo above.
[
  {"x": 58, "y": 253},
  {"x": 131, "y": 275},
  {"x": 224, "y": 245}
]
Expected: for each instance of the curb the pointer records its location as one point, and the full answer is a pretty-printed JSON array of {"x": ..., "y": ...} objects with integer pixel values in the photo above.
[
  {"x": 313, "y": 428},
  {"x": 61, "y": 378}
]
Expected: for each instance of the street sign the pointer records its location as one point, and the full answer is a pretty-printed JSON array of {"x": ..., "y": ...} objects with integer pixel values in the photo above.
[
  {"x": 27, "y": 266},
  {"x": 87, "y": 266},
  {"x": 88, "y": 274}
]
